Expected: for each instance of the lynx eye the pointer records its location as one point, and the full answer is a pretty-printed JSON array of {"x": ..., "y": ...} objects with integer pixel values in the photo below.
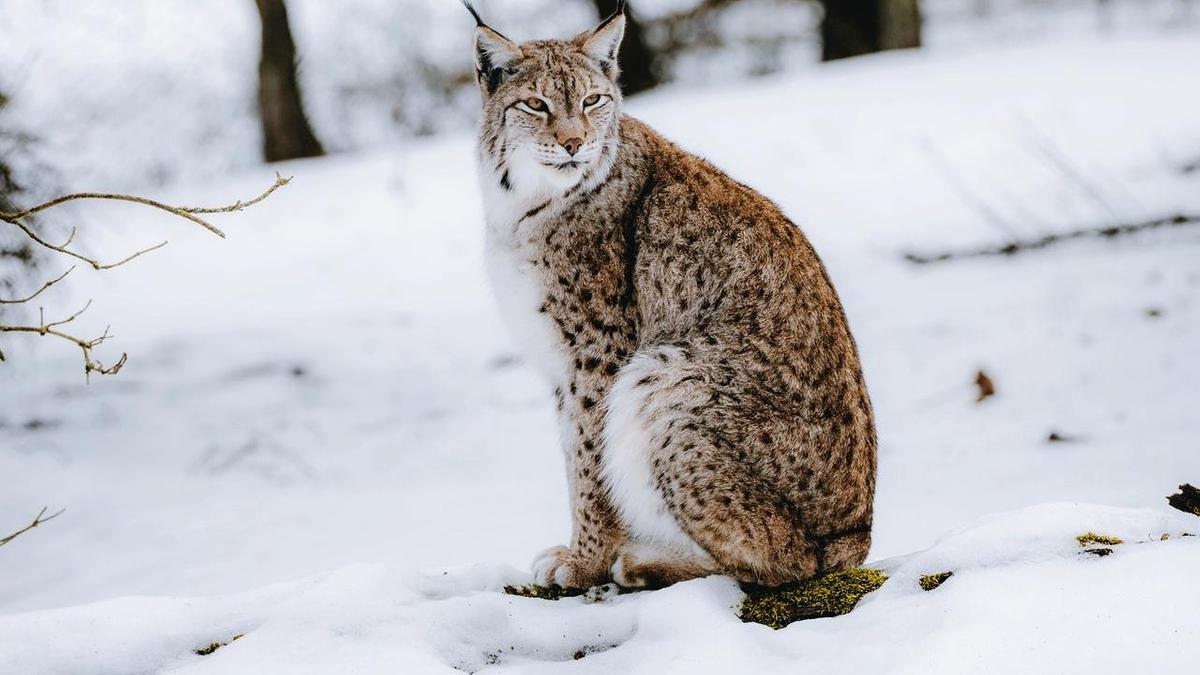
[
  {"x": 591, "y": 100},
  {"x": 535, "y": 104}
]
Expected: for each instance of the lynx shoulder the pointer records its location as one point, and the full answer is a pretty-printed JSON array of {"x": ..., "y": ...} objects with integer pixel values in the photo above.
[{"x": 713, "y": 412}]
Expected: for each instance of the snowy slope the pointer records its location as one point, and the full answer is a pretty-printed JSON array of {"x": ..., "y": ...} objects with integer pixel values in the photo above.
[
  {"x": 1023, "y": 598},
  {"x": 330, "y": 386}
]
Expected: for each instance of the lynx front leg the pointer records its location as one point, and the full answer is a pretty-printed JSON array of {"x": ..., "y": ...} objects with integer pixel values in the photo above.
[{"x": 596, "y": 530}]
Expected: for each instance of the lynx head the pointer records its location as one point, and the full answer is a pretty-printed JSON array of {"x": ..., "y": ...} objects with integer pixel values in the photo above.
[{"x": 551, "y": 108}]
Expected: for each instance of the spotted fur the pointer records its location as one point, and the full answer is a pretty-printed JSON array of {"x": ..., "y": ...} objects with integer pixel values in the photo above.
[{"x": 713, "y": 411}]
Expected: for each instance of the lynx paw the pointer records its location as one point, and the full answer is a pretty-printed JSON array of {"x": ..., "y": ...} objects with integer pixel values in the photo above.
[{"x": 561, "y": 567}]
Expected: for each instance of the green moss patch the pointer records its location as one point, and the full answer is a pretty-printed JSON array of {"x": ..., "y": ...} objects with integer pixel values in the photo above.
[
  {"x": 214, "y": 646},
  {"x": 931, "y": 581},
  {"x": 832, "y": 594},
  {"x": 1091, "y": 539},
  {"x": 544, "y": 592}
]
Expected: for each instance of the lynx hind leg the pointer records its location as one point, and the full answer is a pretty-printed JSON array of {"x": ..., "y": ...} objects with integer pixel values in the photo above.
[
  {"x": 637, "y": 419},
  {"x": 640, "y": 565},
  {"x": 676, "y": 488}
]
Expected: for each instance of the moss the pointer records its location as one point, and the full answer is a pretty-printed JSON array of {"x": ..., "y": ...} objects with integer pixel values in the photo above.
[
  {"x": 832, "y": 594},
  {"x": 931, "y": 581},
  {"x": 1091, "y": 538},
  {"x": 214, "y": 646},
  {"x": 543, "y": 592},
  {"x": 210, "y": 648}
]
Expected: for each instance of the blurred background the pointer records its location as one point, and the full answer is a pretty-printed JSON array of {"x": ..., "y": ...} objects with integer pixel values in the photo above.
[
  {"x": 174, "y": 84},
  {"x": 1006, "y": 193}
]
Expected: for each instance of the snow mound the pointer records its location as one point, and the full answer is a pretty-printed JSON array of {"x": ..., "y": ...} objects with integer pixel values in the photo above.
[{"x": 1024, "y": 597}]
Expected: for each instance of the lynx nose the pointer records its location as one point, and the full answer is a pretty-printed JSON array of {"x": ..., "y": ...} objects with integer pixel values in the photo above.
[{"x": 572, "y": 145}]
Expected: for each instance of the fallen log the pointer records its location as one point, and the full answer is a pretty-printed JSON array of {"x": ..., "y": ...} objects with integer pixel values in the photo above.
[
  {"x": 1020, "y": 245},
  {"x": 1188, "y": 499}
]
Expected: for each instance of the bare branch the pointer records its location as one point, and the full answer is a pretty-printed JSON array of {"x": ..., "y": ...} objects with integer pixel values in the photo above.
[
  {"x": 1017, "y": 246},
  {"x": 90, "y": 365},
  {"x": 966, "y": 194},
  {"x": 38, "y": 292},
  {"x": 38, "y": 520},
  {"x": 280, "y": 181},
  {"x": 187, "y": 212},
  {"x": 43, "y": 328},
  {"x": 1075, "y": 176}
]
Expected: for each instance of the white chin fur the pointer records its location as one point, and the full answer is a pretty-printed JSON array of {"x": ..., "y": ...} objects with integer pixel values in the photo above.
[{"x": 530, "y": 175}]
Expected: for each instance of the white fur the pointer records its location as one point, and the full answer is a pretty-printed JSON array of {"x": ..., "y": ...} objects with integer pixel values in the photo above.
[
  {"x": 617, "y": 572},
  {"x": 626, "y": 463},
  {"x": 519, "y": 294},
  {"x": 550, "y": 155},
  {"x": 507, "y": 253},
  {"x": 508, "y": 248},
  {"x": 548, "y": 562}
]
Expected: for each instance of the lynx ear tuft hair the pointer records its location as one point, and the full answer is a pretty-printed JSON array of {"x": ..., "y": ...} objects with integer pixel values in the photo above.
[
  {"x": 475, "y": 14},
  {"x": 494, "y": 53},
  {"x": 619, "y": 11}
]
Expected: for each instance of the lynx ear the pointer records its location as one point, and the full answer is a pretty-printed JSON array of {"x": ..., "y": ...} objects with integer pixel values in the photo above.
[
  {"x": 601, "y": 44},
  {"x": 495, "y": 54}
]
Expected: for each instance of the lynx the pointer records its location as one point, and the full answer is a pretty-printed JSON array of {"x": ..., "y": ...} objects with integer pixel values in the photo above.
[{"x": 712, "y": 407}]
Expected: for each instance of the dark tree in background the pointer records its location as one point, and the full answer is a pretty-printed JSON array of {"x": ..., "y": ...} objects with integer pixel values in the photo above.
[
  {"x": 16, "y": 255},
  {"x": 856, "y": 27},
  {"x": 8, "y": 185},
  {"x": 286, "y": 131},
  {"x": 638, "y": 62}
]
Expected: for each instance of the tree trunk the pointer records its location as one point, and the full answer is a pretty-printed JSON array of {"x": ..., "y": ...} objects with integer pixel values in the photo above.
[
  {"x": 901, "y": 24},
  {"x": 8, "y": 185},
  {"x": 16, "y": 255},
  {"x": 286, "y": 131},
  {"x": 638, "y": 62},
  {"x": 856, "y": 27}
]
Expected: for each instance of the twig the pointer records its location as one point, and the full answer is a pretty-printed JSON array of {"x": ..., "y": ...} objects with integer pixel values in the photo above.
[
  {"x": 62, "y": 248},
  {"x": 38, "y": 520},
  {"x": 1050, "y": 150},
  {"x": 181, "y": 211},
  {"x": 187, "y": 212},
  {"x": 968, "y": 196},
  {"x": 280, "y": 181},
  {"x": 38, "y": 292},
  {"x": 43, "y": 328},
  {"x": 1014, "y": 247},
  {"x": 90, "y": 365}
]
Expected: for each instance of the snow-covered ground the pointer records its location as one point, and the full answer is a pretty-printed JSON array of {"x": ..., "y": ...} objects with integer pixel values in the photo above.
[
  {"x": 1024, "y": 598},
  {"x": 330, "y": 389}
]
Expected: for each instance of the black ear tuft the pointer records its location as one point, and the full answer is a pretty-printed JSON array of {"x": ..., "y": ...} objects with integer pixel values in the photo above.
[
  {"x": 475, "y": 14},
  {"x": 495, "y": 55},
  {"x": 619, "y": 11}
]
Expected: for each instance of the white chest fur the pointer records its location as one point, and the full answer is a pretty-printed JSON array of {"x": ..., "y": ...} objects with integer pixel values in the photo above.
[
  {"x": 519, "y": 294},
  {"x": 515, "y": 282}
]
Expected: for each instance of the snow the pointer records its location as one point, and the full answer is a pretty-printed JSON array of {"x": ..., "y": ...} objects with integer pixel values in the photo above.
[
  {"x": 1019, "y": 575},
  {"x": 330, "y": 388}
]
